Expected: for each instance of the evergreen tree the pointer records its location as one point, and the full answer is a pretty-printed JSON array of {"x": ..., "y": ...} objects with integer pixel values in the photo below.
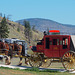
[
  {"x": 18, "y": 29},
  {"x": 4, "y": 28},
  {"x": 27, "y": 25},
  {"x": 27, "y": 31}
]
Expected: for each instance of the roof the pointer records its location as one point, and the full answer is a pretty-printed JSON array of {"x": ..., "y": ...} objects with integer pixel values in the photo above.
[{"x": 54, "y": 31}]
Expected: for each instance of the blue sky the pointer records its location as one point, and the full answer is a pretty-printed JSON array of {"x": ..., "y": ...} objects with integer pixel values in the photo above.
[{"x": 62, "y": 11}]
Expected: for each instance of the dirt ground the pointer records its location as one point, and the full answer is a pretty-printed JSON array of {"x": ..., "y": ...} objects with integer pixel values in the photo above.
[
  {"x": 15, "y": 61},
  {"x": 13, "y": 72}
]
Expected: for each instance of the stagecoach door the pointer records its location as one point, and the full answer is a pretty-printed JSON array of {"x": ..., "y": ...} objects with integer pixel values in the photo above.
[
  {"x": 47, "y": 46},
  {"x": 52, "y": 46},
  {"x": 64, "y": 45},
  {"x": 55, "y": 46}
]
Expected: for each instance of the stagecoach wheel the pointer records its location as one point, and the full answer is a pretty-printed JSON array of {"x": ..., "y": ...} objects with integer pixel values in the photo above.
[
  {"x": 35, "y": 60},
  {"x": 46, "y": 63},
  {"x": 68, "y": 61}
]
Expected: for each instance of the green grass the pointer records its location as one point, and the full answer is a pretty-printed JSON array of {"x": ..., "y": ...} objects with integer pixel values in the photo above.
[
  {"x": 37, "y": 70},
  {"x": 30, "y": 69},
  {"x": 9, "y": 68},
  {"x": 33, "y": 71}
]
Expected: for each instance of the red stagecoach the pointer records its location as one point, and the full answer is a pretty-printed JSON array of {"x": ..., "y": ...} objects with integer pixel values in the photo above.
[{"x": 54, "y": 47}]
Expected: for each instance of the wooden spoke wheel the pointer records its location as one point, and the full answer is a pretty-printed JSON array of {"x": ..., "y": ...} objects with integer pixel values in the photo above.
[
  {"x": 35, "y": 60},
  {"x": 68, "y": 61},
  {"x": 46, "y": 63}
]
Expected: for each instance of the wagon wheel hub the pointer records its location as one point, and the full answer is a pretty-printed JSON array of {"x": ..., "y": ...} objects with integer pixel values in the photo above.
[
  {"x": 71, "y": 60},
  {"x": 45, "y": 61}
]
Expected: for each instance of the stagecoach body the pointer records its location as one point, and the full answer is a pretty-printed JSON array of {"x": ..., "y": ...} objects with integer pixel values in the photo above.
[
  {"x": 58, "y": 48},
  {"x": 53, "y": 45}
]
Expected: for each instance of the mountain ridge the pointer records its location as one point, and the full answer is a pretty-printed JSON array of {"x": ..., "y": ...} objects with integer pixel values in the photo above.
[{"x": 42, "y": 25}]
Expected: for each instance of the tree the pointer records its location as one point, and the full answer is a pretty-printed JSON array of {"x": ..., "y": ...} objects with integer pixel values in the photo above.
[
  {"x": 18, "y": 29},
  {"x": 27, "y": 31},
  {"x": 33, "y": 27},
  {"x": 8, "y": 17},
  {"x": 27, "y": 25},
  {"x": 4, "y": 30}
]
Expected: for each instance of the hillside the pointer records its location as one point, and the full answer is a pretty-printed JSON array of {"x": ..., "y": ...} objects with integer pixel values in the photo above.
[
  {"x": 20, "y": 35},
  {"x": 43, "y": 24}
]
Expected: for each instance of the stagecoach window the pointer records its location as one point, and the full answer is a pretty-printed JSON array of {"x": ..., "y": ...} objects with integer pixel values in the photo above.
[
  {"x": 47, "y": 43},
  {"x": 60, "y": 42},
  {"x": 65, "y": 43},
  {"x": 39, "y": 43},
  {"x": 50, "y": 42},
  {"x": 55, "y": 41}
]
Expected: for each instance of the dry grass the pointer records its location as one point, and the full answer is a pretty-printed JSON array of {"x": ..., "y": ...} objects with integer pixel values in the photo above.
[
  {"x": 15, "y": 34},
  {"x": 20, "y": 35}
]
